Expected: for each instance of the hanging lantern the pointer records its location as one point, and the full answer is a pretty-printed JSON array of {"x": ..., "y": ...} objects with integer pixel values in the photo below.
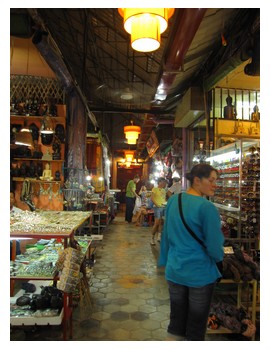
[
  {"x": 24, "y": 136},
  {"x": 132, "y": 133},
  {"x": 47, "y": 126},
  {"x": 145, "y": 25},
  {"x": 129, "y": 155}
]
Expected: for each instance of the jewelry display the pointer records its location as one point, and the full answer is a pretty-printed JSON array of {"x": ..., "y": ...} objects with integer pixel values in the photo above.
[{"x": 46, "y": 221}]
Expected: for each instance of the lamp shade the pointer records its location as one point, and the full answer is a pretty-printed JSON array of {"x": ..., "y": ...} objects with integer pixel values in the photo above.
[
  {"x": 47, "y": 126},
  {"x": 145, "y": 26},
  {"x": 132, "y": 133},
  {"x": 129, "y": 156},
  {"x": 24, "y": 138}
]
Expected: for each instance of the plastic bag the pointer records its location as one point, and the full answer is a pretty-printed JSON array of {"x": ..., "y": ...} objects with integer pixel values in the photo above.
[{"x": 137, "y": 206}]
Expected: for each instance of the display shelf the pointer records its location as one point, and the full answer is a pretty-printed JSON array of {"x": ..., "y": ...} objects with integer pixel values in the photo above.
[
  {"x": 64, "y": 317},
  {"x": 26, "y": 162},
  {"x": 100, "y": 219},
  {"x": 21, "y": 179},
  {"x": 251, "y": 307},
  {"x": 48, "y": 224},
  {"x": 34, "y": 320},
  {"x": 32, "y": 118},
  {"x": 41, "y": 160},
  {"x": 45, "y": 224},
  {"x": 238, "y": 188}
]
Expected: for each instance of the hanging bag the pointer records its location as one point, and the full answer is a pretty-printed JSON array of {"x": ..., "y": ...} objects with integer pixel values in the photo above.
[{"x": 137, "y": 206}]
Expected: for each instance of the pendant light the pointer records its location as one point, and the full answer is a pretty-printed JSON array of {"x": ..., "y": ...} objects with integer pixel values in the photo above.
[
  {"x": 132, "y": 133},
  {"x": 129, "y": 155},
  {"x": 24, "y": 136},
  {"x": 145, "y": 25},
  {"x": 47, "y": 126}
]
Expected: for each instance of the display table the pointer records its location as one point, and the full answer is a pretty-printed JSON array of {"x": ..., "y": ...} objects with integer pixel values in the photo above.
[
  {"x": 33, "y": 320},
  {"x": 46, "y": 224}
]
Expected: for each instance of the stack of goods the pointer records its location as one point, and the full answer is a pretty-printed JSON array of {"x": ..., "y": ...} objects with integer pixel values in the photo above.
[
  {"x": 46, "y": 304},
  {"x": 228, "y": 316},
  {"x": 240, "y": 266},
  {"x": 69, "y": 264}
]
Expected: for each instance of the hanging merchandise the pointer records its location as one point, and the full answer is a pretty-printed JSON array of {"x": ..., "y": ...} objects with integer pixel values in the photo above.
[
  {"x": 176, "y": 149},
  {"x": 26, "y": 195}
]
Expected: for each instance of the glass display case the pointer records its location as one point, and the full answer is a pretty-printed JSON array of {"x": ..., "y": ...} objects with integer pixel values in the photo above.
[{"x": 237, "y": 194}]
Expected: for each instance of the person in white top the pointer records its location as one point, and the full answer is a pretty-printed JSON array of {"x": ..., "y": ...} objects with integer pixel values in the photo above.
[{"x": 176, "y": 187}]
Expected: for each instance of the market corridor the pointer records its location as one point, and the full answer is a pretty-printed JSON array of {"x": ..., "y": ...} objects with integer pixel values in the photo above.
[{"x": 129, "y": 295}]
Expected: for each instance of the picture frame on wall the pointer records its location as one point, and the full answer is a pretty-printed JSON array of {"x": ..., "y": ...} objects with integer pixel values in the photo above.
[{"x": 152, "y": 144}]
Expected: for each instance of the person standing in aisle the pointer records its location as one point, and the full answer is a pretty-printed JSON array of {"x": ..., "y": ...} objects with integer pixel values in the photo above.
[
  {"x": 190, "y": 268},
  {"x": 144, "y": 206},
  {"x": 175, "y": 188},
  {"x": 158, "y": 197},
  {"x": 130, "y": 198}
]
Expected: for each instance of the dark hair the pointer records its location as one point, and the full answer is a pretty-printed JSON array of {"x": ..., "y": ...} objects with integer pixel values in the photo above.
[
  {"x": 161, "y": 179},
  {"x": 200, "y": 171},
  {"x": 137, "y": 176}
]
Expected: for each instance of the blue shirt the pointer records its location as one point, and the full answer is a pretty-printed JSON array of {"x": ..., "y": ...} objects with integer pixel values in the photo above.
[{"x": 186, "y": 261}]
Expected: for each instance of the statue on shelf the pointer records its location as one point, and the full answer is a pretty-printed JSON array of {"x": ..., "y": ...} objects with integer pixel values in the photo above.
[
  {"x": 56, "y": 146},
  {"x": 229, "y": 110},
  {"x": 57, "y": 175},
  {"x": 47, "y": 155},
  {"x": 47, "y": 173},
  {"x": 37, "y": 154},
  {"x": 255, "y": 116}
]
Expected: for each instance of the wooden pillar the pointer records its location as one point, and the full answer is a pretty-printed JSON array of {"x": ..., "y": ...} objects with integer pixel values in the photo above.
[{"x": 76, "y": 138}]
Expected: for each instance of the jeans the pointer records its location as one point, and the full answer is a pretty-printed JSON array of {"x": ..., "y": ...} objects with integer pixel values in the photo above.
[
  {"x": 130, "y": 202},
  {"x": 189, "y": 310}
]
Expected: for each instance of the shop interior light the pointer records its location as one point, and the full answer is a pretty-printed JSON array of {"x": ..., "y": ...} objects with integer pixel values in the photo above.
[
  {"x": 132, "y": 133},
  {"x": 24, "y": 137},
  {"x": 145, "y": 25},
  {"x": 228, "y": 156},
  {"x": 47, "y": 126},
  {"x": 129, "y": 156}
]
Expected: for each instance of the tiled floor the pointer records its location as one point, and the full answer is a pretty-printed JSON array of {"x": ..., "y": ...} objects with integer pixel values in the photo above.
[{"x": 129, "y": 293}]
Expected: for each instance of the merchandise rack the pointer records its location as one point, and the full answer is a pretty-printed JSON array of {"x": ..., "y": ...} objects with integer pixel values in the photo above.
[
  {"x": 56, "y": 220},
  {"x": 239, "y": 302}
]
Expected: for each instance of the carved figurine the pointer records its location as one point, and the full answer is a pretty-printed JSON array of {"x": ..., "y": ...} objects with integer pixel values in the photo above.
[
  {"x": 47, "y": 173},
  {"x": 229, "y": 110},
  {"x": 255, "y": 116}
]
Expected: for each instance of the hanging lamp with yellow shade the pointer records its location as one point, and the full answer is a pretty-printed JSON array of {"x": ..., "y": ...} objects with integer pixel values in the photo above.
[
  {"x": 145, "y": 25},
  {"x": 129, "y": 155},
  {"x": 132, "y": 133}
]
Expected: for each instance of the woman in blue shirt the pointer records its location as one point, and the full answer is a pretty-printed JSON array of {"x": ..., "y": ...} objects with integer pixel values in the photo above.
[{"x": 190, "y": 269}]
